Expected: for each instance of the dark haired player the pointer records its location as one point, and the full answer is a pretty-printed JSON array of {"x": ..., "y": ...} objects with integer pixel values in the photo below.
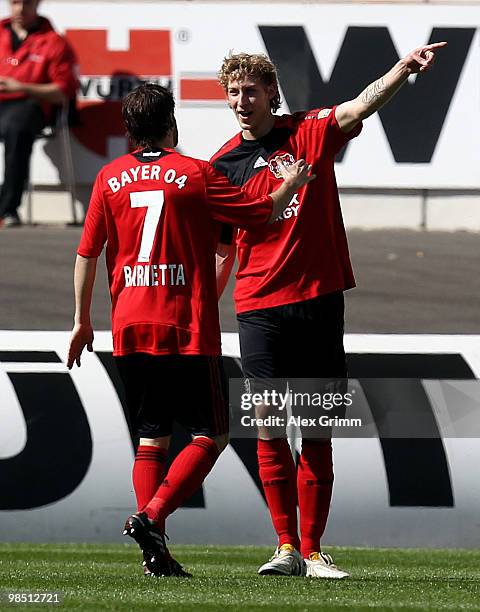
[
  {"x": 159, "y": 213},
  {"x": 291, "y": 277}
]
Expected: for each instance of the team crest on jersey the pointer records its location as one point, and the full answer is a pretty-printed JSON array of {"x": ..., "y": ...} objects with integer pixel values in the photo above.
[{"x": 287, "y": 160}]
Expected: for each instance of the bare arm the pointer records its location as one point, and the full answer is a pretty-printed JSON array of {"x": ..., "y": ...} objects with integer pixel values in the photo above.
[
  {"x": 378, "y": 93},
  {"x": 224, "y": 260},
  {"x": 45, "y": 92},
  {"x": 82, "y": 333}
]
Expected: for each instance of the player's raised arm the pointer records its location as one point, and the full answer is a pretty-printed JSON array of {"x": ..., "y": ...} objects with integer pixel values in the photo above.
[
  {"x": 378, "y": 93},
  {"x": 82, "y": 333}
]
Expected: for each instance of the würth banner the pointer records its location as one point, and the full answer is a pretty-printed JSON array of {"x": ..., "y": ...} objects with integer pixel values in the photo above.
[{"x": 426, "y": 137}]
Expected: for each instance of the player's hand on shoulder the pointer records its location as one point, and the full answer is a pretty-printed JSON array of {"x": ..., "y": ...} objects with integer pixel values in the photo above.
[
  {"x": 82, "y": 336},
  {"x": 296, "y": 175}
]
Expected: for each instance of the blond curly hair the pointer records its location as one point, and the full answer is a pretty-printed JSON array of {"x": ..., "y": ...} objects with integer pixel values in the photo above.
[{"x": 250, "y": 65}]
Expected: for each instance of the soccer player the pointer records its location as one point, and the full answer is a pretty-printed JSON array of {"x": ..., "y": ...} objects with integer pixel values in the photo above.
[
  {"x": 291, "y": 277},
  {"x": 159, "y": 213}
]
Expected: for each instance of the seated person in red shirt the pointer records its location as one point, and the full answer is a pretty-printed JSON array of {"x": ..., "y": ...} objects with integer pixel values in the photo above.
[
  {"x": 159, "y": 214},
  {"x": 36, "y": 72}
]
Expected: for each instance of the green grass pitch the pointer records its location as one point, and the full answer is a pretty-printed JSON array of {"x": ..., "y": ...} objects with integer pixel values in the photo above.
[{"x": 109, "y": 577}]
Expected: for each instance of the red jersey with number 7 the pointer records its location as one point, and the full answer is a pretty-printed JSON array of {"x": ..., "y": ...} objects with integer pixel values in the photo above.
[{"x": 159, "y": 213}]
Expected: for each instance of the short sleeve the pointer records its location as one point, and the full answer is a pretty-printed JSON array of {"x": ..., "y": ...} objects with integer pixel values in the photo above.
[
  {"x": 62, "y": 68},
  {"x": 94, "y": 233},
  {"x": 324, "y": 119},
  {"x": 229, "y": 204},
  {"x": 336, "y": 137}
]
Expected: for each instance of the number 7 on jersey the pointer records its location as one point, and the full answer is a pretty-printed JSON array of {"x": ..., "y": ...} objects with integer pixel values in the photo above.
[{"x": 153, "y": 201}]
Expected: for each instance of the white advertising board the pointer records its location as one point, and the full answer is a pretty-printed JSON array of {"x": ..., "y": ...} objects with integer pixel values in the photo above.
[{"x": 66, "y": 453}]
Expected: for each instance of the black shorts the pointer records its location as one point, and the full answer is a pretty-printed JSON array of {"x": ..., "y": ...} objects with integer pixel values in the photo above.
[
  {"x": 299, "y": 340},
  {"x": 162, "y": 389},
  {"x": 302, "y": 341}
]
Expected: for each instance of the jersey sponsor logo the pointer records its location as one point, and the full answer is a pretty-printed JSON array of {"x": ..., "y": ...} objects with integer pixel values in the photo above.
[
  {"x": 260, "y": 163},
  {"x": 154, "y": 275},
  {"x": 324, "y": 113},
  {"x": 34, "y": 57},
  {"x": 286, "y": 158},
  {"x": 292, "y": 210}
]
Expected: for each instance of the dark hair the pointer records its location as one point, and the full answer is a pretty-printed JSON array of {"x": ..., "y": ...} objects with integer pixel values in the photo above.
[{"x": 148, "y": 113}]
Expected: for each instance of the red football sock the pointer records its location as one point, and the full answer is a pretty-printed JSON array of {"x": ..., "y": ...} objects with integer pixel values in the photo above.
[
  {"x": 186, "y": 474},
  {"x": 278, "y": 475},
  {"x": 314, "y": 483},
  {"x": 148, "y": 472}
]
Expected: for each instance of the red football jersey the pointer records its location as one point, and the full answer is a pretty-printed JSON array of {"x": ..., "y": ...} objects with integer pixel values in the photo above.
[
  {"x": 304, "y": 253},
  {"x": 43, "y": 57},
  {"x": 159, "y": 213}
]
